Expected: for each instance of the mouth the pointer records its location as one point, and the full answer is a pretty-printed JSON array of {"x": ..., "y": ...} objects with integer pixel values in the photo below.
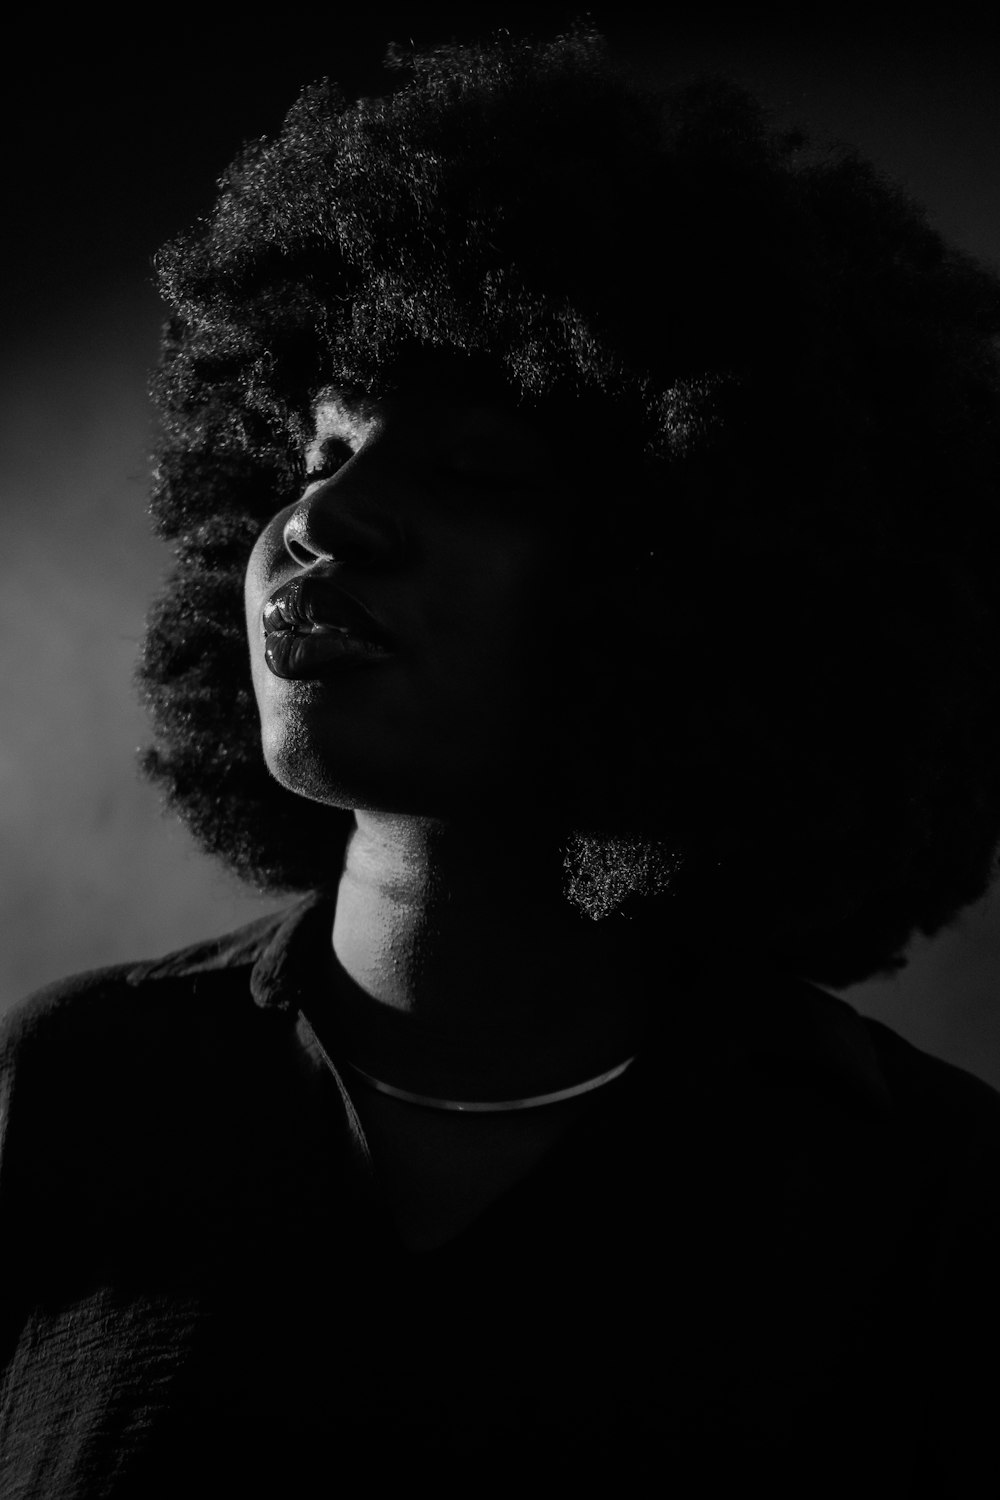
[{"x": 312, "y": 627}]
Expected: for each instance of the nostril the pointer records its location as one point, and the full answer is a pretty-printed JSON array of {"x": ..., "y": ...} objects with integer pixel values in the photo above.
[
  {"x": 298, "y": 552},
  {"x": 297, "y": 540},
  {"x": 328, "y": 525}
]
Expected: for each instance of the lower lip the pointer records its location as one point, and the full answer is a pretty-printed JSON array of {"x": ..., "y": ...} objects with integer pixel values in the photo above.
[{"x": 295, "y": 655}]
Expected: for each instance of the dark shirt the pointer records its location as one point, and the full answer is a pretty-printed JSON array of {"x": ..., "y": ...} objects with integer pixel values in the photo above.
[{"x": 767, "y": 1255}]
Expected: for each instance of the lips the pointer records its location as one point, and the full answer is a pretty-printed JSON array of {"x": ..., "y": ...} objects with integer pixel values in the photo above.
[
  {"x": 312, "y": 628},
  {"x": 307, "y": 605}
]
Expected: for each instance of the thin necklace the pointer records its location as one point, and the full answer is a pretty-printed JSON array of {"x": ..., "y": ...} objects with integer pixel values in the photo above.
[{"x": 477, "y": 1106}]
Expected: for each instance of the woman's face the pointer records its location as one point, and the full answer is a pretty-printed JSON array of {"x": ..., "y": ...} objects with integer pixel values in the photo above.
[{"x": 415, "y": 619}]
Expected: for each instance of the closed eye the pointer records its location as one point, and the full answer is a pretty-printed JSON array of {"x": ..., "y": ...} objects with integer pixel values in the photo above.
[{"x": 333, "y": 456}]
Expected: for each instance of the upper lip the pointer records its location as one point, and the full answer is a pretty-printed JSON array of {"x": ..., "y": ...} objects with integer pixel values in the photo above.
[{"x": 315, "y": 600}]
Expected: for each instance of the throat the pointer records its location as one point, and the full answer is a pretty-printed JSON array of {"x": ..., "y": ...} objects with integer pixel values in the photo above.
[{"x": 463, "y": 985}]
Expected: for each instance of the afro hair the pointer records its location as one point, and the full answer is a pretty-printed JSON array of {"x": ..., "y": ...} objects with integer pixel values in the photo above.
[{"x": 787, "y": 375}]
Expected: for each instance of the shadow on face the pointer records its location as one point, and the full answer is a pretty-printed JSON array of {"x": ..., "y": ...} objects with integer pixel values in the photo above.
[{"x": 444, "y": 516}]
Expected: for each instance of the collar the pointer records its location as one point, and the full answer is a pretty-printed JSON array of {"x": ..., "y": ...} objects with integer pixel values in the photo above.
[
  {"x": 784, "y": 1031},
  {"x": 298, "y": 956},
  {"x": 781, "y": 1031}
]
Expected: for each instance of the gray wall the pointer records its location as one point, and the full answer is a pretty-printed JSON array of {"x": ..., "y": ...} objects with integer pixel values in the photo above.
[{"x": 90, "y": 873}]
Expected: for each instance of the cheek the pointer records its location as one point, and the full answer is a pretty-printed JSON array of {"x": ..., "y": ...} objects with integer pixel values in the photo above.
[
  {"x": 497, "y": 583},
  {"x": 485, "y": 642}
]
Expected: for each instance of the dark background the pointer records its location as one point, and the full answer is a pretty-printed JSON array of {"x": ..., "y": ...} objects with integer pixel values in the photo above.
[{"x": 113, "y": 141}]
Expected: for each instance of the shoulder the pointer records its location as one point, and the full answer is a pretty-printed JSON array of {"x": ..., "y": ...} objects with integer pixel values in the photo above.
[
  {"x": 142, "y": 1107},
  {"x": 825, "y": 1033},
  {"x": 946, "y": 1123},
  {"x": 927, "y": 1089},
  {"x": 132, "y": 1059},
  {"x": 910, "y": 1118},
  {"x": 130, "y": 1010}
]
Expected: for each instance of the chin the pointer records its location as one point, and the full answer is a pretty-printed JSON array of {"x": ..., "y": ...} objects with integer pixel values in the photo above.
[
  {"x": 358, "y": 778},
  {"x": 301, "y": 761},
  {"x": 348, "y": 757}
]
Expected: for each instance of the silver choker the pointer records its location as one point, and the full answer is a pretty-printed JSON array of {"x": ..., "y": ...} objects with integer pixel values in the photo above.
[{"x": 475, "y": 1106}]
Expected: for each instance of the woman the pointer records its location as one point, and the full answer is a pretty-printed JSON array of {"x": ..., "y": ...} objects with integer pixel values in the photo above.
[{"x": 583, "y": 505}]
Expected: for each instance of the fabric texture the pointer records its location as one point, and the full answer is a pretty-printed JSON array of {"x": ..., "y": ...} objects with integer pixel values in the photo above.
[{"x": 766, "y": 1255}]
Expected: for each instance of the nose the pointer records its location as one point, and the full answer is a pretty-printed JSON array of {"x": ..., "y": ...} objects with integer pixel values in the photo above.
[{"x": 337, "y": 522}]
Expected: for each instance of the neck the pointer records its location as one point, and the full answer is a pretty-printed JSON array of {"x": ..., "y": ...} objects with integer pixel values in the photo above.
[{"x": 469, "y": 968}]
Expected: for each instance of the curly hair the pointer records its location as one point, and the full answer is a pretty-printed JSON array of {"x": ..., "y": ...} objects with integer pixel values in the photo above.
[{"x": 789, "y": 378}]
